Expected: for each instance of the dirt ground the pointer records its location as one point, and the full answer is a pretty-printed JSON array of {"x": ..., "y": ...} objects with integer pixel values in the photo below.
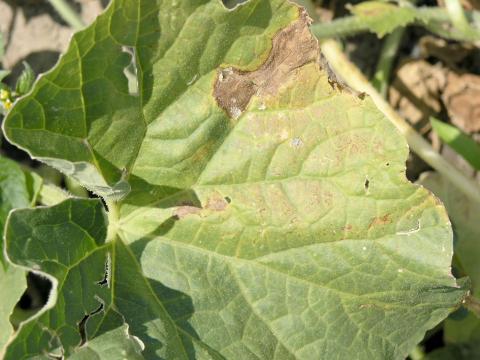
[{"x": 34, "y": 32}]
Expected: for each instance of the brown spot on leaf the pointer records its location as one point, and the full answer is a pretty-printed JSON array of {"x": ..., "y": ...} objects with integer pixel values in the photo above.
[
  {"x": 292, "y": 48},
  {"x": 182, "y": 211},
  {"x": 216, "y": 203},
  {"x": 380, "y": 220}
]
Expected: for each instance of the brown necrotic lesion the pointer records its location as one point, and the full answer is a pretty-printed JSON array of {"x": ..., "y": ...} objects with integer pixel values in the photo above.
[{"x": 292, "y": 48}]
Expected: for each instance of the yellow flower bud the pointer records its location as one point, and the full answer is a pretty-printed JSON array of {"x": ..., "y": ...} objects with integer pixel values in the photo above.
[
  {"x": 7, "y": 104},
  {"x": 4, "y": 94}
]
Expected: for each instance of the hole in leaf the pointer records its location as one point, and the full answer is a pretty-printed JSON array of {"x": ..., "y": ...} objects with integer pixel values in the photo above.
[
  {"x": 130, "y": 71},
  {"x": 83, "y": 323},
  {"x": 228, "y": 200},
  {"x": 106, "y": 277},
  {"x": 367, "y": 184},
  {"x": 35, "y": 296}
]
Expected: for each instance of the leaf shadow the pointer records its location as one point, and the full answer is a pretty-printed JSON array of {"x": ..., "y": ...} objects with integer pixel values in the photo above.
[
  {"x": 178, "y": 305},
  {"x": 145, "y": 194}
]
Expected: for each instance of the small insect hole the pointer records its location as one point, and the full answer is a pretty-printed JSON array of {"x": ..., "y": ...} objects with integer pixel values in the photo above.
[
  {"x": 227, "y": 199},
  {"x": 106, "y": 275},
  {"x": 366, "y": 184}
]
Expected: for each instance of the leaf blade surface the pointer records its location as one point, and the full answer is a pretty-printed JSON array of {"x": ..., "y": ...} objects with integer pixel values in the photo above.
[{"x": 267, "y": 214}]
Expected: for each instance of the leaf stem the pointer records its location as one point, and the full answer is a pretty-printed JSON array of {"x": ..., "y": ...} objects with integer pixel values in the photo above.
[
  {"x": 435, "y": 19},
  {"x": 68, "y": 14},
  {"x": 51, "y": 194},
  {"x": 472, "y": 304},
  {"x": 417, "y": 353},
  {"x": 350, "y": 73},
  {"x": 113, "y": 217},
  {"x": 344, "y": 26},
  {"x": 381, "y": 78},
  {"x": 457, "y": 15}
]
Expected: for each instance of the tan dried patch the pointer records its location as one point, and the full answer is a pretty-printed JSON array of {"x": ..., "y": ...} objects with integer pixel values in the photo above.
[
  {"x": 216, "y": 204},
  {"x": 182, "y": 211},
  {"x": 380, "y": 220},
  {"x": 292, "y": 48}
]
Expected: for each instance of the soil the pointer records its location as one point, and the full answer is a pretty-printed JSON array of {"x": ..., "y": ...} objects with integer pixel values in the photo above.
[{"x": 35, "y": 33}]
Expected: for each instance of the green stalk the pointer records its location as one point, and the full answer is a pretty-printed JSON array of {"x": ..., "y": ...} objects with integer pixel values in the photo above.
[
  {"x": 472, "y": 304},
  {"x": 344, "y": 26},
  {"x": 435, "y": 19},
  {"x": 68, "y": 14},
  {"x": 381, "y": 78},
  {"x": 350, "y": 73},
  {"x": 113, "y": 218},
  {"x": 417, "y": 353},
  {"x": 457, "y": 15}
]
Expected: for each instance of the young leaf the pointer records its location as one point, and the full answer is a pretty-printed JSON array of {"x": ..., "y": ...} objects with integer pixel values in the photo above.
[
  {"x": 112, "y": 345},
  {"x": 25, "y": 80},
  {"x": 463, "y": 144},
  {"x": 269, "y": 214},
  {"x": 382, "y": 17},
  {"x": 3, "y": 75},
  {"x": 14, "y": 193}
]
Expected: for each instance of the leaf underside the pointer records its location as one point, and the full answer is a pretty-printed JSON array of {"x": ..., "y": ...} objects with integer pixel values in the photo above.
[{"x": 260, "y": 211}]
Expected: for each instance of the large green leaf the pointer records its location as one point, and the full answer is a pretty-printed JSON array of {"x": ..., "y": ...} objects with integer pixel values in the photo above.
[
  {"x": 17, "y": 190},
  {"x": 255, "y": 210},
  {"x": 67, "y": 242}
]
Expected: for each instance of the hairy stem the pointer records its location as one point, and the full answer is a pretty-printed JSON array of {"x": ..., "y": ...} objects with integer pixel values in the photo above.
[
  {"x": 472, "y": 304},
  {"x": 435, "y": 19},
  {"x": 344, "y": 26},
  {"x": 350, "y": 73}
]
